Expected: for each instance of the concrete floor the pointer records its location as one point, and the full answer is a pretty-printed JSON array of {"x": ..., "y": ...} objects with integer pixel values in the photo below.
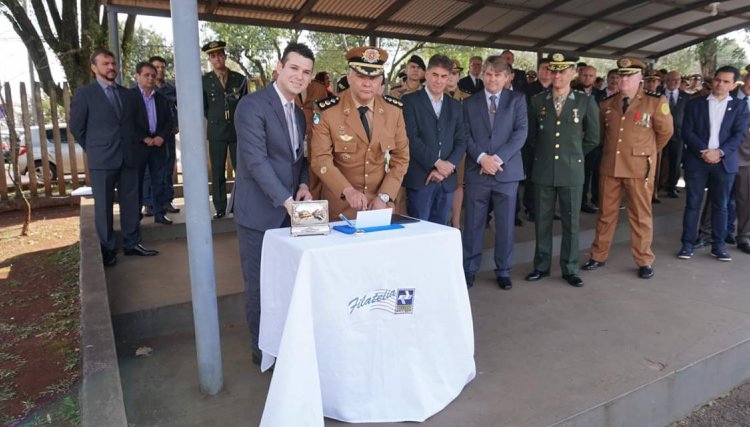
[{"x": 544, "y": 351}]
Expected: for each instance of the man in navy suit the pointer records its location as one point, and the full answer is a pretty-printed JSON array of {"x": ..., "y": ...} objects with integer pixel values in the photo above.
[
  {"x": 437, "y": 142},
  {"x": 271, "y": 168},
  {"x": 677, "y": 102},
  {"x": 154, "y": 110},
  {"x": 497, "y": 127},
  {"x": 713, "y": 129},
  {"x": 104, "y": 123},
  {"x": 472, "y": 83}
]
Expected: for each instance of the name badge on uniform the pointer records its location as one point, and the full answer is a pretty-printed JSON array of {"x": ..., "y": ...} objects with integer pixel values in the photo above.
[{"x": 643, "y": 119}]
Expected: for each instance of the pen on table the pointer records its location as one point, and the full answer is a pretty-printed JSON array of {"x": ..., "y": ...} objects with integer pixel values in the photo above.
[{"x": 346, "y": 220}]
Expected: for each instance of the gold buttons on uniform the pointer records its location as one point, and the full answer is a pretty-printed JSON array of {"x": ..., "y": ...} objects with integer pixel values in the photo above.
[
  {"x": 558, "y": 122},
  {"x": 367, "y": 162},
  {"x": 579, "y": 160},
  {"x": 557, "y": 145},
  {"x": 557, "y": 157},
  {"x": 366, "y": 175},
  {"x": 618, "y": 152},
  {"x": 621, "y": 129},
  {"x": 557, "y": 134},
  {"x": 619, "y": 140}
]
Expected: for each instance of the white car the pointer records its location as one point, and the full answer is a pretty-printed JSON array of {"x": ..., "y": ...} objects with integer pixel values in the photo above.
[{"x": 23, "y": 167}]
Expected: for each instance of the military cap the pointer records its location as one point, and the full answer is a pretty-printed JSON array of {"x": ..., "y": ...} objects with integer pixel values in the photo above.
[
  {"x": 652, "y": 75},
  {"x": 367, "y": 60},
  {"x": 416, "y": 59},
  {"x": 531, "y": 73},
  {"x": 401, "y": 75},
  {"x": 457, "y": 68},
  {"x": 559, "y": 61},
  {"x": 627, "y": 66},
  {"x": 695, "y": 77},
  {"x": 214, "y": 46},
  {"x": 343, "y": 84}
]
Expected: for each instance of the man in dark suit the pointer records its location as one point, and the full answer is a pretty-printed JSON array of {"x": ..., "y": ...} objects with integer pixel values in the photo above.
[
  {"x": 437, "y": 142},
  {"x": 168, "y": 91},
  {"x": 742, "y": 181},
  {"x": 154, "y": 111},
  {"x": 103, "y": 121},
  {"x": 677, "y": 101},
  {"x": 497, "y": 124},
  {"x": 518, "y": 77},
  {"x": 271, "y": 168},
  {"x": 472, "y": 83},
  {"x": 713, "y": 129}
]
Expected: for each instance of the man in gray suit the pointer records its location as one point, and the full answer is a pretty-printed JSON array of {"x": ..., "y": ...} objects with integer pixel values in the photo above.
[
  {"x": 271, "y": 168},
  {"x": 104, "y": 122},
  {"x": 497, "y": 124}
]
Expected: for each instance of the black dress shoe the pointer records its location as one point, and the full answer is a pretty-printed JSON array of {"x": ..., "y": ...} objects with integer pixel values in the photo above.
[
  {"x": 219, "y": 214},
  {"x": 645, "y": 272},
  {"x": 139, "y": 250},
  {"x": 519, "y": 222},
  {"x": 592, "y": 265},
  {"x": 588, "y": 208},
  {"x": 171, "y": 208},
  {"x": 573, "y": 280},
  {"x": 147, "y": 211},
  {"x": 730, "y": 240},
  {"x": 556, "y": 217},
  {"x": 163, "y": 219},
  {"x": 536, "y": 275},
  {"x": 656, "y": 201},
  {"x": 109, "y": 258},
  {"x": 469, "y": 280},
  {"x": 504, "y": 283},
  {"x": 744, "y": 247},
  {"x": 672, "y": 194}
]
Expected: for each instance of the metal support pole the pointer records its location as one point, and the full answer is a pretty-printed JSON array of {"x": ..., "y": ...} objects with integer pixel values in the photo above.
[
  {"x": 197, "y": 211},
  {"x": 31, "y": 71},
  {"x": 114, "y": 42},
  {"x": 373, "y": 40}
]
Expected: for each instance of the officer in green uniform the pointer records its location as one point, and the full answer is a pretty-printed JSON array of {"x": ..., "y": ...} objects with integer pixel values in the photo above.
[
  {"x": 222, "y": 90},
  {"x": 563, "y": 127}
]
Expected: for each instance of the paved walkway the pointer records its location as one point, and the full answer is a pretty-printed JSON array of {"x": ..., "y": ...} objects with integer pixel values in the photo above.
[{"x": 545, "y": 351}]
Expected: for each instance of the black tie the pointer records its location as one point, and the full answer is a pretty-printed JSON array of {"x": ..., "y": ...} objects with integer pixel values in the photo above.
[
  {"x": 363, "y": 116},
  {"x": 671, "y": 98},
  {"x": 625, "y": 104},
  {"x": 112, "y": 95}
]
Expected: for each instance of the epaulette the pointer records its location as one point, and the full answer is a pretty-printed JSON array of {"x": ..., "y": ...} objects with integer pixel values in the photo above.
[
  {"x": 465, "y": 92},
  {"x": 652, "y": 93},
  {"x": 327, "y": 102},
  {"x": 391, "y": 100},
  {"x": 396, "y": 87}
]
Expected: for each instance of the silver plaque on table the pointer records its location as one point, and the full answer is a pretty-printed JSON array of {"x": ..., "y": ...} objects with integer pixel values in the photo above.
[{"x": 310, "y": 218}]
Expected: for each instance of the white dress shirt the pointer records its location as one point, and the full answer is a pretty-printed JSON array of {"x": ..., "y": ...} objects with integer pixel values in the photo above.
[
  {"x": 716, "y": 110},
  {"x": 487, "y": 96}
]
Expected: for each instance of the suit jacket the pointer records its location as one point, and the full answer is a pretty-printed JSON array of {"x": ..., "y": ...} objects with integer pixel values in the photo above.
[
  {"x": 164, "y": 124},
  {"x": 505, "y": 138},
  {"x": 467, "y": 85},
  {"x": 560, "y": 143},
  {"x": 632, "y": 140},
  {"x": 432, "y": 138},
  {"x": 520, "y": 83},
  {"x": 696, "y": 129},
  {"x": 678, "y": 115},
  {"x": 268, "y": 171},
  {"x": 341, "y": 155},
  {"x": 109, "y": 142}
]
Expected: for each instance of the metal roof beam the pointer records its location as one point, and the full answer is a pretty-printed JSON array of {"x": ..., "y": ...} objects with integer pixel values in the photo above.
[
  {"x": 476, "y": 7},
  {"x": 593, "y": 18},
  {"x": 683, "y": 28},
  {"x": 387, "y": 14},
  {"x": 644, "y": 23},
  {"x": 532, "y": 15},
  {"x": 698, "y": 40},
  {"x": 304, "y": 10}
]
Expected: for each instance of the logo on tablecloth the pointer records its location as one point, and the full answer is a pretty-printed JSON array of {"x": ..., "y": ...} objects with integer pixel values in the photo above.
[
  {"x": 405, "y": 301},
  {"x": 391, "y": 301}
]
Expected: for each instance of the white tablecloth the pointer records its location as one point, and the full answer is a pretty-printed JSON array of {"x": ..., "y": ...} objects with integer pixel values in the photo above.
[{"x": 364, "y": 328}]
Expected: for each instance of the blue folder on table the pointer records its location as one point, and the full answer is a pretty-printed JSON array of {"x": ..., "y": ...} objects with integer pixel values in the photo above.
[{"x": 351, "y": 230}]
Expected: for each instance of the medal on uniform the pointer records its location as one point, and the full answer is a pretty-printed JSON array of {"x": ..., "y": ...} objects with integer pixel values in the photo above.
[
  {"x": 576, "y": 119},
  {"x": 342, "y": 131},
  {"x": 346, "y": 138},
  {"x": 316, "y": 118},
  {"x": 387, "y": 161}
]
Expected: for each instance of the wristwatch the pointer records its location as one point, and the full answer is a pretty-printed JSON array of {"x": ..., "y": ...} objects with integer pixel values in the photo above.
[{"x": 384, "y": 197}]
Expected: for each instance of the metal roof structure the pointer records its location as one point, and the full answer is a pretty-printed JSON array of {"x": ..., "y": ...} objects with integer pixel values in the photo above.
[{"x": 595, "y": 28}]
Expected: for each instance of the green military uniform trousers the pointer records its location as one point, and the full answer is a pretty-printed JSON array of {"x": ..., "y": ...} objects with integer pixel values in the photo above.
[
  {"x": 217, "y": 151},
  {"x": 545, "y": 200}
]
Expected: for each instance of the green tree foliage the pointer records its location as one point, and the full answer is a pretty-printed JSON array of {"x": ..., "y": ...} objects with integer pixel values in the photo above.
[
  {"x": 705, "y": 57},
  {"x": 147, "y": 43},
  {"x": 254, "y": 49}
]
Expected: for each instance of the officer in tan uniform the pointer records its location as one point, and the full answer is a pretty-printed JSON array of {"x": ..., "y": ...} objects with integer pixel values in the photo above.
[
  {"x": 359, "y": 147},
  {"x": 636, "y": 125},
  {"x": 415, "y": 70}
]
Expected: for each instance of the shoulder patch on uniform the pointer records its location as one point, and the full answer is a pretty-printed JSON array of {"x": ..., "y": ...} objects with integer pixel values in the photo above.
[
  {"x": 665, "y": 108},
  {"x": 327, "y": 102},
  {"x": 393, "y": 101},
  {"x": 652, "y": 93}
]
